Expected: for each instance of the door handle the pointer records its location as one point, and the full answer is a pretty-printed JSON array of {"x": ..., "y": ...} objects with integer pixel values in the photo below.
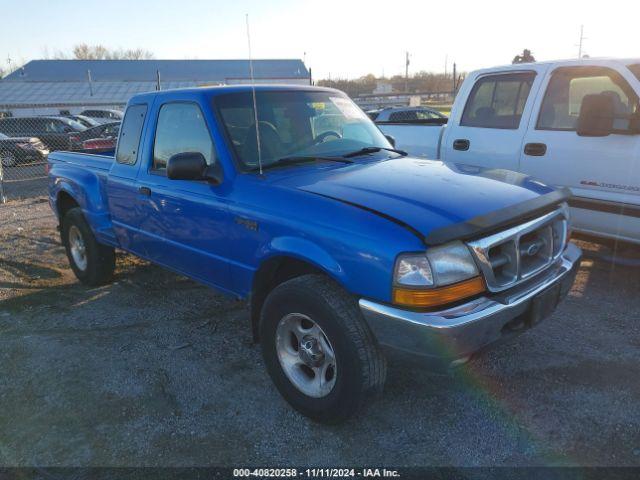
[
  {"x": 461, "y": 144},
  {"x": 146, "y": 191},
  {"x": 535, "y": 149}
]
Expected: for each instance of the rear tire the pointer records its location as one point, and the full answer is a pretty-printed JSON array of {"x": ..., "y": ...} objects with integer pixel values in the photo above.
[
  {"x": 91, "y": 262},
  {"x": 313, "y": 306}
]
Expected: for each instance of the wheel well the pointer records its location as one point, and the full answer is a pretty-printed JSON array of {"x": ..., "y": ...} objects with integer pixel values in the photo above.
[
  {"x": 65, "y": 203},
  {"x": 272, "y": 273}
]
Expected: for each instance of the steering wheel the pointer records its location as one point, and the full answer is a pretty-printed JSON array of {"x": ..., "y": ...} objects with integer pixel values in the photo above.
[{"x": 323, "y": 136}]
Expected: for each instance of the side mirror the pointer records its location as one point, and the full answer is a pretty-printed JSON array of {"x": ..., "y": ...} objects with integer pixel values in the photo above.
[
  {"x": 193, "y": 166},
  {"x": 634, "y": 122},
  {"x": 596, "y": 116},
  {"x": 391, "y": 139}
]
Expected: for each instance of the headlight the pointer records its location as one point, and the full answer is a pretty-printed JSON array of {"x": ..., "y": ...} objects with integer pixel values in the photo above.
[
  {"x": 413, "y": 271},
  {"x": 443, "y": 274},
  {"x": 452, "y": 263}
]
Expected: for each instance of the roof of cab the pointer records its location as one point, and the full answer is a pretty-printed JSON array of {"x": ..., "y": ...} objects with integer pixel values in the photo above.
[
  {"x": 573, "y": 62},
  {"x": 220, "y": 90}
]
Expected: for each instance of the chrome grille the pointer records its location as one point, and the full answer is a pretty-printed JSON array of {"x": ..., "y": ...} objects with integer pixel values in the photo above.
[{"x": 512, "y": 256}]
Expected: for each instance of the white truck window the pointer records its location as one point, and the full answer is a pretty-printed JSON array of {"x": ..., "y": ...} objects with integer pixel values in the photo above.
[
  {"x": 497, "y": 101},
  {"x": 568, "y": 86}
]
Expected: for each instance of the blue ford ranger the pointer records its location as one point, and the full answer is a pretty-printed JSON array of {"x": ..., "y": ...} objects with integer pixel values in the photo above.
[{"x": 348, "y": 249}]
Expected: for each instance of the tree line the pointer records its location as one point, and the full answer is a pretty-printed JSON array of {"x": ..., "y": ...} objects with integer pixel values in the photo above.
[
  {"x": 419, "y": 82},
  {"x": 82, "y": 51}
]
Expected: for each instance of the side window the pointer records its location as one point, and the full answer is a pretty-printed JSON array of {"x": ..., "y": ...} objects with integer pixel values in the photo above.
[
  {"x": 425, "y": 115},
  {"x": 181, "y": 128},
  {"x": 112, "y": 130},
  {"x": 497, "y": 101},
  {"x": 568, "y": 86},
  {"x": 51, "y": 126},
  {"x": 130, "y": 134},
  {"x": 403, "y": 116}
]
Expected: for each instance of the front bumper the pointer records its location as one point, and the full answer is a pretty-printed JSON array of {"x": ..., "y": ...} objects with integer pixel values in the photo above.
[{"x": 442, "y": 339}]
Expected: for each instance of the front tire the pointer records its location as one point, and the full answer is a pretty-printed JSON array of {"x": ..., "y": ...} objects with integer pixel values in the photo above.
[
  {"x": 318, "y": 350},
  {"x": 91, "y": 262}
]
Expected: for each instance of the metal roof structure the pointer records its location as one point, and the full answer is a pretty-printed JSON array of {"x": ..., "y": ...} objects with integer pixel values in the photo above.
[{"x": 113, "y": 82}]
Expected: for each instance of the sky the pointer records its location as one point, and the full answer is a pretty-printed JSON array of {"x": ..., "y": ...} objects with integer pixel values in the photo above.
[{"x": 338, "y": 38}]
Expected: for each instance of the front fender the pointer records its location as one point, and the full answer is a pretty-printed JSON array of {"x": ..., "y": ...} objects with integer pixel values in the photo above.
[{"x": 305, "y": 250}]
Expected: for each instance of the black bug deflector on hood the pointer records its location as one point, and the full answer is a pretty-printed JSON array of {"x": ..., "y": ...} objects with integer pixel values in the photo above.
[{"x": 490, "y": 222}]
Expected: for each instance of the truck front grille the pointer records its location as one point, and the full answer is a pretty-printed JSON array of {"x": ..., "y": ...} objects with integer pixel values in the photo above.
[{"x": 512, "y": 256}]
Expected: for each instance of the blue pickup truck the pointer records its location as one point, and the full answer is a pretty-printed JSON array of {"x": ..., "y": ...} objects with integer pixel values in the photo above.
[{"x": 348, "y": 250}]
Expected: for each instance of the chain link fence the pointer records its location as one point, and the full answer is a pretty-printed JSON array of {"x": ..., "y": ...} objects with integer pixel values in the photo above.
[{"x": 28, "y": 136}]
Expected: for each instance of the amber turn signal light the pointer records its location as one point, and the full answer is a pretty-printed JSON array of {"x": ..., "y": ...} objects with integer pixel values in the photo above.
[{"x": 434, "y": 297}]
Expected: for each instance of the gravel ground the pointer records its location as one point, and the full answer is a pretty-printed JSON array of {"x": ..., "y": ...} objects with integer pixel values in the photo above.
[{"x": 156, "y": 370}]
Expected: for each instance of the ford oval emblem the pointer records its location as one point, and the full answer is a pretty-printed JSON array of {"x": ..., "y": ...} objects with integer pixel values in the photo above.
[{"x": 533, "y": 249}]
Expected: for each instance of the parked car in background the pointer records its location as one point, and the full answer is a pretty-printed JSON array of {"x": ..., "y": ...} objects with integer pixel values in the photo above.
[
  {"x": 86, "y": 121},
  {"x": 347, "y": 249},
  {"x": 100, "y": 144},
  {"x": 105, "y": 130},
  {"x": 407, "y": 114},
  {"x": 21, "y": 150},
  {"x": 103, "y": 115},
  {"x": 57, "y": 133},
  {"x": 569, "y": 123}
]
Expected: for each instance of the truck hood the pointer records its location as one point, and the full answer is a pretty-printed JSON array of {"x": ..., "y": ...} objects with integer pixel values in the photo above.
[{"x": 424, "y": 195}]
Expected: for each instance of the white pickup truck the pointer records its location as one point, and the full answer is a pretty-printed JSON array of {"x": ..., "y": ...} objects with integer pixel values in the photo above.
[{"x": 573, "y": 123}]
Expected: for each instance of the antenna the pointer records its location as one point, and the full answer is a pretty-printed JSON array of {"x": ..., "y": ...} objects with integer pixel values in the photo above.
[
  {"x": 580, "y": 44},
  {"x": 255, "y": 103}
]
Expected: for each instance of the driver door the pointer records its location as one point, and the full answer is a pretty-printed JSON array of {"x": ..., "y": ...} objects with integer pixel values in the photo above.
[{"x": 184, "y": 224}]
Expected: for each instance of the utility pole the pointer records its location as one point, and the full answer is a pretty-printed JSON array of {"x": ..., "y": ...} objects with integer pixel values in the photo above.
[
  {"x": 446, "y": 61},
  {"x": 406, "y": 73},
  {"x": 455, "y": 72},
  {"x": 90, "y": 83}
]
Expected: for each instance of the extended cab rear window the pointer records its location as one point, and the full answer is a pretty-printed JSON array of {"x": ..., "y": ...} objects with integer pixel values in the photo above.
[
  {"x": 635, "y": 69},
  {"x": 497, "y": 101},
  {"x": 130, "y": 132}
]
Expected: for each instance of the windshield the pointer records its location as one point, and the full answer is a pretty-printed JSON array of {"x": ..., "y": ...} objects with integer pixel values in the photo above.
[
  {"x": 635, "y": 69},
  {"x": 295, "y": 124}
]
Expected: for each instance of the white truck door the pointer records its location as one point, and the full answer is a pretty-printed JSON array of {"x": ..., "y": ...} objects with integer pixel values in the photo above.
[
  {"x": 488, "y": 129},
  {"x": 602, "y": 172}
]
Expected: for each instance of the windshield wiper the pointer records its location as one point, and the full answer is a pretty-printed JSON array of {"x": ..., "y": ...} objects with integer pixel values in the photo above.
[
  {"x": 367, "y": 150},
  {"x": 293, "y": 160}
]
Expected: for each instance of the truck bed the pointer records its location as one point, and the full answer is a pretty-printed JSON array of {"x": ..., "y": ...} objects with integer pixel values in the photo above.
[
  {"x": 102, "y": 161},
  {"x": 83, "y": 176},
  {"x": 417, "y": 139}
]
